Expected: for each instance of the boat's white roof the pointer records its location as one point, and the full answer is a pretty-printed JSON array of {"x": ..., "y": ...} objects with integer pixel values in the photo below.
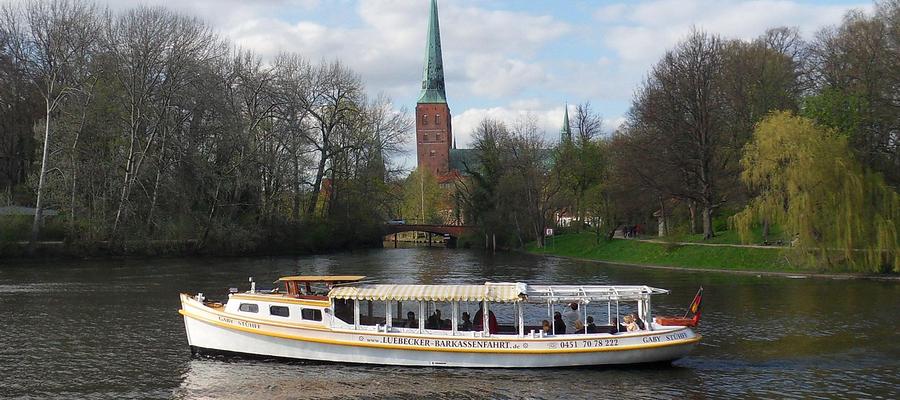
[{"x": 494, "y": 292}]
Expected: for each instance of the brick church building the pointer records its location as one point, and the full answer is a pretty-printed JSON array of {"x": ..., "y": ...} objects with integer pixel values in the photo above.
[{"x": 435, "y": 148}]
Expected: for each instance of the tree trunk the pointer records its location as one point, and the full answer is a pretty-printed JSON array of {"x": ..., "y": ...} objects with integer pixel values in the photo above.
[
  {"x": 38, "y": 211},
  {"x": 708, "y": 229},
  {"x": 123, "y": 195},
  {"x": 692, "y": 207},
  {"x": 317, "y": 186},
  {"x": 662, "y": 214}
]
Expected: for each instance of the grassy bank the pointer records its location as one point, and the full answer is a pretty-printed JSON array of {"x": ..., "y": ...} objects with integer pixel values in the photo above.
[{"x": 585, "y": 246}]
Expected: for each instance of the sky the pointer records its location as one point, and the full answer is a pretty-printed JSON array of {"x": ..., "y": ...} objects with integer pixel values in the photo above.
[{"x": 502, "y": 58}]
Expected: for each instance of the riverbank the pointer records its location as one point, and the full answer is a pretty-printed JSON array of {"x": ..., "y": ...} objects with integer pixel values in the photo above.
[
  {"x": 683, "y": 256},
  {"x": 678, "y": 255}
]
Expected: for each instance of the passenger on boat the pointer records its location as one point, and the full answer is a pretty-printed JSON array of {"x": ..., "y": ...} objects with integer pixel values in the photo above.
[
  {"x": 466, "y": 322},
  {"x": 571, "y": 317},
  {"x": 639, "y": 322},
  {"x": 434, "y": 321},
  {"x": 411, "y": 321},
  {"x": 559, "y": 326},
  {"x": 630, "y": 325},
  {"x": 492, "y": 321},
  {"x": 545, "y": 326},
  {"x": 590, "y": 328}
]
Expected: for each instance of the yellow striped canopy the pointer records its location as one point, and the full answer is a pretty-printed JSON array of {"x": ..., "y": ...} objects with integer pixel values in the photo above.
[{"x": 493, "y": 292}]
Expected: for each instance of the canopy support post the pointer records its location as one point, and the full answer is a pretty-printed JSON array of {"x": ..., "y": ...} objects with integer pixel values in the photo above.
[
  {"x": 550, "y": 309},
  {"x": 388, "y": 318},
  {"x": 521, "y": 309},
  {"x": 421, "y": 316},
  {"x": 485, "y": 319},
  {"x": 454, "y": 318},
  {"x": 584, "y": 308},
  {"x": 355, "y": 314}
]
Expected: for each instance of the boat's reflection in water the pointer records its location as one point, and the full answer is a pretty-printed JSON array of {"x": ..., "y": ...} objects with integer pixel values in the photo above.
[{"x": 230, "y": 377}]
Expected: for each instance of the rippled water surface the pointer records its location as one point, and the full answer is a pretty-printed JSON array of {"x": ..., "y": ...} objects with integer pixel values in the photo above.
[{"x": 111, "y": 329}]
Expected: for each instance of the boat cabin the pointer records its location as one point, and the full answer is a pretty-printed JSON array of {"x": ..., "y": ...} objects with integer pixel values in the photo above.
[
  {"x": 315, "y": 287},
  {"x": 348, "y": 303}
]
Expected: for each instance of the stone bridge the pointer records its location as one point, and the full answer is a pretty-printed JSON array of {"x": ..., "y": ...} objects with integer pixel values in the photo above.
[{"x": 452, "y": 230}]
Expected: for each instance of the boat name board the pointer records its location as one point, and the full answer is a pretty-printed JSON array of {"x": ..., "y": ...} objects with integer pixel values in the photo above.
[
  {"x": 245, "y": 324},
  {"x": 446, "y": 343}
]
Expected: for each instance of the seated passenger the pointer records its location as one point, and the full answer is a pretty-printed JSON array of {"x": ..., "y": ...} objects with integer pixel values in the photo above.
[
  {"x": 591, "y": 328},
  {"x": 630, "y": 325},
  {"x": 434, "y": 321},
  {"x": 411, "y": 321},
  {"x": 545, "y": 327},
  {"x": 559, "y": 326},
  {"x": 466, "y": 322},
  {"x": 639, "y": 322}
]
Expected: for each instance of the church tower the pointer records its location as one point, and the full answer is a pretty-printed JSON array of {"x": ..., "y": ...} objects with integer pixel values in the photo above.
[{"x": 433, "y": 133}]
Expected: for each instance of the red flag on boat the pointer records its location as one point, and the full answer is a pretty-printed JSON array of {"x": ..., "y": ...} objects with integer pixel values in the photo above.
[{"x": 695, "y": 305}]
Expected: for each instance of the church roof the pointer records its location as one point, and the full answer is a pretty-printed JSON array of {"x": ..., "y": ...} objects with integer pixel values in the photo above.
[
  {"x": 459, "y": 158},
  {"x": 433, "y": 77}
]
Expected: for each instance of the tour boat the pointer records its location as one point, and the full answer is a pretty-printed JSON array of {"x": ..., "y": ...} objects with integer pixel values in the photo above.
[{"x": 349, "y": 319}]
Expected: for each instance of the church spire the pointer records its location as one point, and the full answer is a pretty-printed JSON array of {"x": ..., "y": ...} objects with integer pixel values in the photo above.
[
  {"x": 433, "y": 78},
  {"x": 565, "y": 133}
]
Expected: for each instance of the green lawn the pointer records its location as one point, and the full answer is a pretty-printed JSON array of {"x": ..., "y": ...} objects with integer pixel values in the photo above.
[
  {"x": 727, "y": 237},
  {"x": 584, "y": 245}
]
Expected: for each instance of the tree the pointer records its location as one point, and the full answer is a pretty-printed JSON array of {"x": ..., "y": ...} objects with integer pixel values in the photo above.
[
  {"x": 422, "y": 198},
  {"x": 856, "y": 63},
  {"x": 579, "y": 162},
  {"x": 53, "y": 41},
  {"x": 811, "y": 185}
]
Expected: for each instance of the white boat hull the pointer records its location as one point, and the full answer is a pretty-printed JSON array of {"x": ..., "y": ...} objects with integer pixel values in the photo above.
[{"x": 216, "y": 332}]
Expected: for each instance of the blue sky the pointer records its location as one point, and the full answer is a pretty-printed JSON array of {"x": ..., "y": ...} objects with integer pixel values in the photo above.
[{"x": 501, "y": 58}]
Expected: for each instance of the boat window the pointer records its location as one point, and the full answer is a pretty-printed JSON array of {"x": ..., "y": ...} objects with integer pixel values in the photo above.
[
  {"x": 311, "y": 314},
  {"x": 248, "y": 307},
  {"x": 280, "y": 311},
  {"x": 467, "y": 309},
  {"x": 343, "y": 310},
  {"x": 405, "y": 314},
  {"x": 505, "y": 314},
  {"x": 438, "y": 315},
  {"x": 372, "y": 312}
]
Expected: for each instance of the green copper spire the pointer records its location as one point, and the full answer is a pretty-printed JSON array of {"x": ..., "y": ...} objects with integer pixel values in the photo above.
[
  {"x": 565, "y": 133},
  {"x": 433, "y": 79}
]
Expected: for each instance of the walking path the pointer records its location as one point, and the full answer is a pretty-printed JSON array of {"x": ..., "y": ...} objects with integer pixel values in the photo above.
[{"x": 749, "y": 246}]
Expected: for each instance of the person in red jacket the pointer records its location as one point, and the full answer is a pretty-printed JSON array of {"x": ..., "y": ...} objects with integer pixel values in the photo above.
[{"x": 479, "y": 321}]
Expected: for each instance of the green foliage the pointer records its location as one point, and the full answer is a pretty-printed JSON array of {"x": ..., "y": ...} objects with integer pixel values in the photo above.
[
  {"x": 810, "y": 185},
  {"x": 835, "y": 109},
  {"x": 585, "y": 246},
  {"x": 421, "y": 189}
]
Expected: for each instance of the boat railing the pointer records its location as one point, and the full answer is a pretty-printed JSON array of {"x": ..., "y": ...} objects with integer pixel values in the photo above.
[{"x": 573, "y": 293}]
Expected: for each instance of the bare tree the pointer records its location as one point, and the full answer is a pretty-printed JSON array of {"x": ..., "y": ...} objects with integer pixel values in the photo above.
[{"x": 52, "y": 40}]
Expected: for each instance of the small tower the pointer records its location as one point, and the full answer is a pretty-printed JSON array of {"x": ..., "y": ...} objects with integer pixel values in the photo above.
[
  {"x": 433, "y": 131},
  {"x": 565, "y": 134}
]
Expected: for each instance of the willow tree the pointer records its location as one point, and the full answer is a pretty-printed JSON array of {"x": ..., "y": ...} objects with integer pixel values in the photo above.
[{"x": 810, "y": 184}]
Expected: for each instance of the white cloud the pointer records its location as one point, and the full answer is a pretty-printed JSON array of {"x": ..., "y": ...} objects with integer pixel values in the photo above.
[
  {"x": 496, "y": 76},
  {"x": 640, "y": 33},
  {"x": 549, "y": 120}
]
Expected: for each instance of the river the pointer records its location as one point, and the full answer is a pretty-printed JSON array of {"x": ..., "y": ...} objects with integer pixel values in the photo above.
[{"x": 110, "y": 329}]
